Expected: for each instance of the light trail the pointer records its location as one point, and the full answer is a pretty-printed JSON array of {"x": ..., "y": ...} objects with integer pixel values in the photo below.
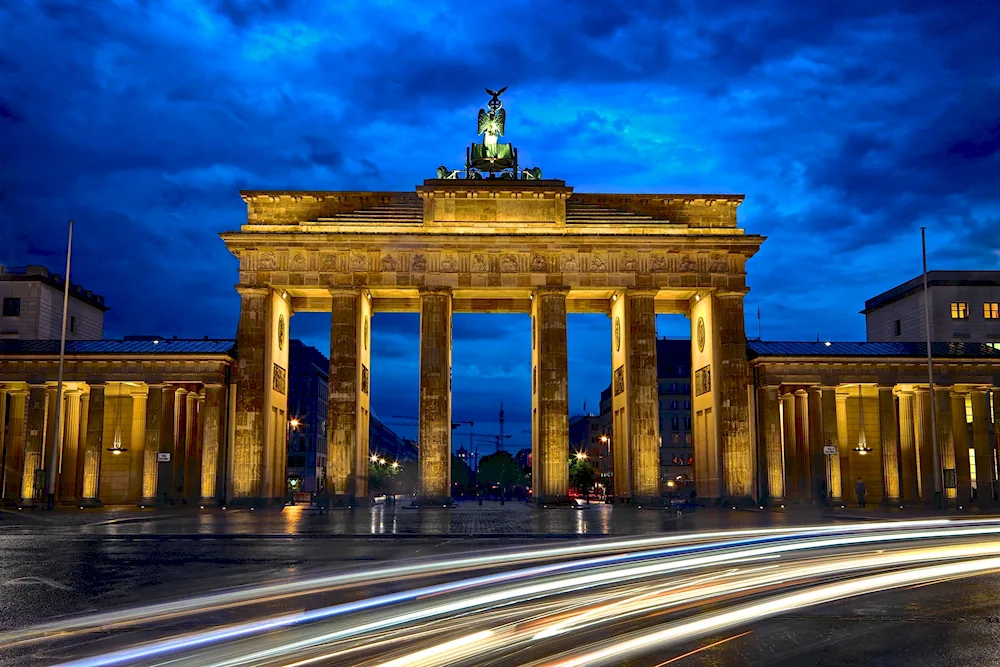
[
  {"x": 534, "y": 610},
  {"x": 275, "y": 591}
]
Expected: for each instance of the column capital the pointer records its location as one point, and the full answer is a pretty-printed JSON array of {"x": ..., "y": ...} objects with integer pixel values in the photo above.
[
  {"x": 978, "y": 390},
  {"x": 38, "y": 385},
  {"x": 73, "y": 392},
  {"x": 180, "y": 391},
  {"x": 800, "y": 392},
  {"x": 640, "y": 291},
  {"x": 259, "y": 290},
  {"x": 904, "y": 392},
  {"x": 436, "y": 290},
  {"x": 344, "y": 290}
]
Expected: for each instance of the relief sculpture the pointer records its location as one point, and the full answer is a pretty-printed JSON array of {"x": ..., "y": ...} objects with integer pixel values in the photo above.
[
  {"x": 658, "y": 263},
  {"x": 449, "y": 264},
  {"x": 479, "y": 263},
  {"x": 419, "y": 263},
  {"x": 358, "y": 262},
  {"x": 298, "y": 262},
  {"x": 388, "y": 263},
  {"x": 329, "y": 263},
  {"x": 630, "y": 263},
  {"x": 508, "y": 263},
  {"x": 537, "y": 262},
  {"x": 569, "y": 264},
  {"x": 718, "y": 265},
  {"x": 267, "y": 262},
  {"x": 687, "y": 265},
  {"x": 598, "y": 264}
]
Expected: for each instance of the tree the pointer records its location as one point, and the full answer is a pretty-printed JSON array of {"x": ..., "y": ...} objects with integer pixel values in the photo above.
[
  {"x": 582, "y": 476},
  {"x": 461, "y": 473},
  {"x": 500, "y": 468}
]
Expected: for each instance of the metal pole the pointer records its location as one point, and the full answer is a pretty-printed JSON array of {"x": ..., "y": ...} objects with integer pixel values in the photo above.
[
  {"x": 930, "y": 375},
  {"x": 56, "y": 447}
]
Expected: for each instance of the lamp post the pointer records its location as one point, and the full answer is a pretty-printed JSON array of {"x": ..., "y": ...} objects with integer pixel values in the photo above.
[{"x": 606, "y": 440}]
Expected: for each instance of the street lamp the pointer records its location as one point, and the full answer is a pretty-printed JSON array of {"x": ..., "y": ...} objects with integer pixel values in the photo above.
[
  {"x": 373, "y": 458},
  {"x": 294, "y": 423},
  {"x": 862, "y": 447},
  {"x": 581, "y": 456}
]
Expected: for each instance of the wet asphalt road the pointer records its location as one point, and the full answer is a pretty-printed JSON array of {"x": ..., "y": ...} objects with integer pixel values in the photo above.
[{"x": 45, "y": 576}]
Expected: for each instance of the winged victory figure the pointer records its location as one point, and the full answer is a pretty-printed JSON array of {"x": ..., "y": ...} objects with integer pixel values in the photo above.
[{"x": 491, "y": 124}]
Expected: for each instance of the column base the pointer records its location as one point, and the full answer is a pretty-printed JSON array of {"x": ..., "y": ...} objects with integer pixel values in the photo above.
[{"x": 432, "y": 501}]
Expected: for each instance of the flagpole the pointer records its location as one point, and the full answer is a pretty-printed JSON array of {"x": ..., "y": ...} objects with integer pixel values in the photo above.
[
  {"x": 54, "y": 451},
  {"x": 930, "y": 375}
]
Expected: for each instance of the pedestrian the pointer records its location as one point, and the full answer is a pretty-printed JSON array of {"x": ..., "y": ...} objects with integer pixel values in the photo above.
[{"x": 859, "y": 491}]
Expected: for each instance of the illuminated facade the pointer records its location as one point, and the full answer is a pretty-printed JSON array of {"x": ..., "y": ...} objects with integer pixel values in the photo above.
[
  {"x": 144, "y": 421},
  {"x": 870, "y": 403},
  {"x": 495, "y": 245}
]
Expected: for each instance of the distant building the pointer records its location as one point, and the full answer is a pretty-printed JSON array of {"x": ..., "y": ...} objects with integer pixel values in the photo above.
[
  {"x": 673, "y": 369},
  {"x": 308, "y": 391},
  {"x": 585, "y": 432},
  {"x": 523, "y": 457},
  {"x": 385, "y": 442},
  {"x": 965, "y": 307},
  {"x": 32, "y": 300}
]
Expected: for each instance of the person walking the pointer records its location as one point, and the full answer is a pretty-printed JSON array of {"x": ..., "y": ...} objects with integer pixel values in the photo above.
[{"x": 860, "y": 491}]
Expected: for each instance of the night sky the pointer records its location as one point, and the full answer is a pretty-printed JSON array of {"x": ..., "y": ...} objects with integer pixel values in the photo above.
[{"x": 847, "y": 124}]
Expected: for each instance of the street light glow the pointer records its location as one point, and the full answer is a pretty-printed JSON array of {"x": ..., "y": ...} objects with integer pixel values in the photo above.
[
  {"x": 294, "y": 423},
  {"x": 580, "y": 456}
]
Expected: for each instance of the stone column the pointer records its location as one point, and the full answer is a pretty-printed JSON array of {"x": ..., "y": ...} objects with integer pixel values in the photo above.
[
  {"x": 192, "y": 478},
  {"x": 82, "y": 447},
  {"x": 960, "y": 448},
  {"x": 844, "y": 446},
  {"x": 213, "y": 434},
  {"x": 137, "y": 447},
  {"x": 33, "y": 443},
  {"x": 16, "y": 432},
  {"x": 733, "y": 379},
  {"x": 791, "y": 448},
  {"x": 889, "y": 435},
  {"x": 770, "y": 431},
  {"x": 66, "y": 491},
  {"x": 922, "y": 437},
  {"x": 50, "y": 456},
  {"x": 642, "y": 388},
  {"x": 347, "y": 441},
  {"x": 909, "y": 484},
  {"x": 828, "y": 405},
  {"x": 984, "y": 452},
  {"x": 94, "y": 446},
  {"x": 180, "y": 443},
  {"x": 165, "y": 469},
  {"x": 802, "y": 463},
  {"x": 434, "y": 471},
  {"x": 248, "y": 446},
  {"x": 946, "y": 442},
  {"x": 151, "y": 445},
  {"x": 819, "y": 479}
]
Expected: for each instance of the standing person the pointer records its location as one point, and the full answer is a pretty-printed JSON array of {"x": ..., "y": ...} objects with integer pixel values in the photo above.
[{"x": 859, "y": 491}]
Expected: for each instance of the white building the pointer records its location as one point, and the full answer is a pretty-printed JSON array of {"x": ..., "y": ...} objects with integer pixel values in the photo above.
[
  {"x": 965, "y": 307},
  {"x": 32, "y": 300}
]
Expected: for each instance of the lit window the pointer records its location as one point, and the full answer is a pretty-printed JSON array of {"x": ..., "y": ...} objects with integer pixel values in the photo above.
[
  {"x": 898, "y": 328},
  {"x": 995, "y": 346},
  {"x": 677, "y": 438},
  {"x": 675, "y": 423},
  {"x": 968, "y": 408},
  {"x": 991, "y": 311},
  {"x": 959, "y": 310}
]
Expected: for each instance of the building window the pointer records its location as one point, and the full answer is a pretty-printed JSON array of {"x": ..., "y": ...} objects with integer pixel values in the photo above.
[
  {"x": 687, "y": 438},
  {"x": 11, "y": 307},
  {"x": 959, "y": 310},
  {"x": 687, "y": 405},
  {"x": 897, "y": 328},
  {"x": 687, "y": 423},
  {"x": 674, "y": 404},
  {"x": 675, "y": 423},
  {"x": 677, "y": 438},
  {"x": 991, "y": 311}
]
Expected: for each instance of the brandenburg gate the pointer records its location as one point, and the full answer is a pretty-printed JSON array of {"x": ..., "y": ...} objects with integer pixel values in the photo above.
[{"x": 494, "y": 238}]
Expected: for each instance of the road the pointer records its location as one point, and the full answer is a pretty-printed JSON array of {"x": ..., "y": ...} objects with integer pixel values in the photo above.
[{"x": 867, "y": 593}]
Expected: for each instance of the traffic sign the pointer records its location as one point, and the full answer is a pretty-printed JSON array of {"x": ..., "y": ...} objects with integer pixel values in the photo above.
[
  {"x": 163, "y": 456},
  {"x": 829, "y": 450}
]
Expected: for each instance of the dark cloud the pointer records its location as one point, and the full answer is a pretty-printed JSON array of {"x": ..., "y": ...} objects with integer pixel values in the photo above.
[{"x": 848, "y": 125}]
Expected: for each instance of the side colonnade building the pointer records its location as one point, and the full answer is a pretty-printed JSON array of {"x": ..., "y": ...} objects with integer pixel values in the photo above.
[
  {"x": 143, "y": 421},
  {"x": 870, "y": 404}
]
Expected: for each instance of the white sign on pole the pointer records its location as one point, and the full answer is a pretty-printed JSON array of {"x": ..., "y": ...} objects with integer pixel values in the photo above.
[
  {"x": 163, "y": 456},
  {"x": 829, "y": 450}
]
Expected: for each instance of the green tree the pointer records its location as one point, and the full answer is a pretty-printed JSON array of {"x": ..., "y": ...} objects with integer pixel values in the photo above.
[
  {"x": 500, "y": 468},
  {"x": 582, "y": 476}
]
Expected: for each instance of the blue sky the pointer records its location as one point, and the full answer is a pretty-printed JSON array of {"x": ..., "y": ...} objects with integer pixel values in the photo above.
[{"x": 848, "y": 125}]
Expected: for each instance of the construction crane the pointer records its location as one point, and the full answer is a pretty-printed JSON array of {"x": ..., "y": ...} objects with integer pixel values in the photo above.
[{"x": 415, "y": 421}]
